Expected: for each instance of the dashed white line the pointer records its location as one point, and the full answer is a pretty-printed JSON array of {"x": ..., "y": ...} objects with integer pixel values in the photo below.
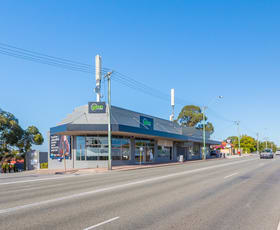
[
  {"x": 104, "y": 222},
  {"x": 278, "y": 227},
  {"x": 230, "y": 175}
]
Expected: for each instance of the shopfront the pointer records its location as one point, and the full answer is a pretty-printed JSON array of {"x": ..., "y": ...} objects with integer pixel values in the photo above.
[{"x": 136, "y": 138}]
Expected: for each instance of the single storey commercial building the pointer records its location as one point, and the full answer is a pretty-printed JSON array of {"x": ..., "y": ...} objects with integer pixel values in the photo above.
[{"x": 81, "y": 139}]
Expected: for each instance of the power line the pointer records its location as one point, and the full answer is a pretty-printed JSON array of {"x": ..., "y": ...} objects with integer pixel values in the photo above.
[
  {"x": 24, "y": 57},
  {"x": 10, "y": 47},
  {"x": 68, "y": 64}
]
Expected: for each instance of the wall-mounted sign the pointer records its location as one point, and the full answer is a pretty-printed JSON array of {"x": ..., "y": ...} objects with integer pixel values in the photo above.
[
  {"x": 96, "y": 107},
  {"x": 60, "y": 145},
  {"x": 146, "y": 123}
]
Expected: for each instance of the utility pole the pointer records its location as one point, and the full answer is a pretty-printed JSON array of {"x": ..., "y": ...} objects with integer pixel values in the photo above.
[
  {"x": 238, "y": 131},
  {"x": 204, "y": 141},
  {"x": 257, "y": 143},
  {"x": 204, "y": 128},
  {"x": 108, "y": 76}
]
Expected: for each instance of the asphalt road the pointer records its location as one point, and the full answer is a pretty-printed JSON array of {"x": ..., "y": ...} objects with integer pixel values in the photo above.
[{"x": 219, "y": 194}]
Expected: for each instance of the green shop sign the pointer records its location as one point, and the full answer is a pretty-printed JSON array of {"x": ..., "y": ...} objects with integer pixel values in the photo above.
[
  {"x": 146, "y": 123},
  {"x": 96, "y": 107}
]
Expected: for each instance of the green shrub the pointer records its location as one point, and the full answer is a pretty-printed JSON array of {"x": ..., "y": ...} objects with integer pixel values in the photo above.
[{"x": 44, "y": 165}]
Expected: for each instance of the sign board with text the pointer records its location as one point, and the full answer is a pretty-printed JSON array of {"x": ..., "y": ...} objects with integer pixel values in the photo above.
[
  {"x": 96, "y": 107},
  {"x": 146, "y": 123},
  {"x": 60, "y": 145}
]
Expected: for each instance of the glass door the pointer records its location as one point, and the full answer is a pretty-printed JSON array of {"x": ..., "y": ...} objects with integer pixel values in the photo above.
[{"x": 144, "y": 150}]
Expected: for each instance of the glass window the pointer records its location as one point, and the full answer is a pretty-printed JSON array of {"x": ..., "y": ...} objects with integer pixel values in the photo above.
[
  {"x": 165, "y": 152},
  {"x": 81, "y": 144},
  {"x": 96, "y": 148},
  {"x": 92, "y": 152},
  {"x": 196, "y": 149},
  {"x": 120, "y": 148}
]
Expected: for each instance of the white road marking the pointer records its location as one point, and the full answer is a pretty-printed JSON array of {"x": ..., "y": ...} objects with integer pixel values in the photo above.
[
  {"x": 104, "y": 222},
  {"x": 102, "y": 190},
  {"x": 230, "y": 175},
  {"x": 42, "y": 179},
  {"x": 278, "y": 227}
]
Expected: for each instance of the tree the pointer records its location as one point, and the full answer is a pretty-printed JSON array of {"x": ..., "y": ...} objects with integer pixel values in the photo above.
[
  {"x": 13, "y": 136},
  {"x": 191, "y": 116},
  {"x": 248, "y": 144},
  {"x": 208, "y": 127}
]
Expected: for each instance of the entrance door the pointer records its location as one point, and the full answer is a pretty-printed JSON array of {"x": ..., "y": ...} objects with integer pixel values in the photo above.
[
  {"x": 148, "y": 150},
  {"x": 149, "y": 154}
]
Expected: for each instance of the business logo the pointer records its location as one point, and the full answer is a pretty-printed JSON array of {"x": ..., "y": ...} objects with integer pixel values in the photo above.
[
  {"x": 146, "y": 123},
  {"x": 96, "y": 107}
]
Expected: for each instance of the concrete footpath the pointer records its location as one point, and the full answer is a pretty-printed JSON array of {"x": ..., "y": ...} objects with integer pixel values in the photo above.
[{"x": 125, "y": 167}]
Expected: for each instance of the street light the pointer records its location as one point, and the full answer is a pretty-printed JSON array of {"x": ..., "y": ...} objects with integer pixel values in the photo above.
[
  {"x": 108, "y": 76},
  {"x": 204, "y": 131}
]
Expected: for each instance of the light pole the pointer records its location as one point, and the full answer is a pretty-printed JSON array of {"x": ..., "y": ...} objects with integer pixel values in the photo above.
[
  {"x": 203, "y": 125},
  {"x": 257, "y": 143},
  {"x": 238, "y": 133},
  {"x": 108, "y": 76}
]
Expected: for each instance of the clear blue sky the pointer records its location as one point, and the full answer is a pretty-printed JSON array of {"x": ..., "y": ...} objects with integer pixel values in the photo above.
[{"x": 201, "y": 48}]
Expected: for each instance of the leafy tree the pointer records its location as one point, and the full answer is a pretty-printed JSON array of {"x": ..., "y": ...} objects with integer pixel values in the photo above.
[
  {"x": 13, "y": 136},
  {"x": 248, "y": 144},
  {"x": 191, "y": 116},
  {"x": 208, "y": 127}
]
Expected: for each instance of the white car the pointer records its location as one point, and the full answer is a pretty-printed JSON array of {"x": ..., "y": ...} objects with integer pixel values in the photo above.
[{"x": 267, "y": 153}]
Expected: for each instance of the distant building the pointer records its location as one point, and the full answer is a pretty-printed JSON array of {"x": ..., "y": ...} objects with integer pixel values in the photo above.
[{"x": 34, "y": 158}]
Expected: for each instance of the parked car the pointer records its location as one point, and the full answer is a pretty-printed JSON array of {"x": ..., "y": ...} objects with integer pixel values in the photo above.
[
  {"x": 215, "y": 153},
  {"x": 277, "y": 152},
  {"x": 267, "y": 153}
]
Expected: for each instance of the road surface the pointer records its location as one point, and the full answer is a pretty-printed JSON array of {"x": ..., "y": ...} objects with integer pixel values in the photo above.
[{"x": 219, "y": 194}]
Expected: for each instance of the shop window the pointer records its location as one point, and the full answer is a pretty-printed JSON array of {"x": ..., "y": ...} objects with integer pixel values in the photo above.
[
  {"x": 165, "y": 152},
  {"x": 120, "y": 148},
  {"x": 196, "y": 149},
  {"x": 80, "y": 145},
  {"x": 96, "y": 148}
]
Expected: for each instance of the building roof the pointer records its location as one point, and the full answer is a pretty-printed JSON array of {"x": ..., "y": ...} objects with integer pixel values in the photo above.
[{"x": 126, "y": 121}]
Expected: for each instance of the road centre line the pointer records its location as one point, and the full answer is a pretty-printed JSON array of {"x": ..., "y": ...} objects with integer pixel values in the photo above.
[
  {"x": 104, "y": 222},
  {"x": 230, "y": 175},
  {"x": 101, "y": 190}
]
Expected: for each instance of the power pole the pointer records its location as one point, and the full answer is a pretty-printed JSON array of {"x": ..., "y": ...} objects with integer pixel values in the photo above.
[
  {"x": 204, "y": 144},
  {"x": 108, "y": 76},
  {"x": 257, "y": 143},
  {"x": 238, "y": 131}
]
